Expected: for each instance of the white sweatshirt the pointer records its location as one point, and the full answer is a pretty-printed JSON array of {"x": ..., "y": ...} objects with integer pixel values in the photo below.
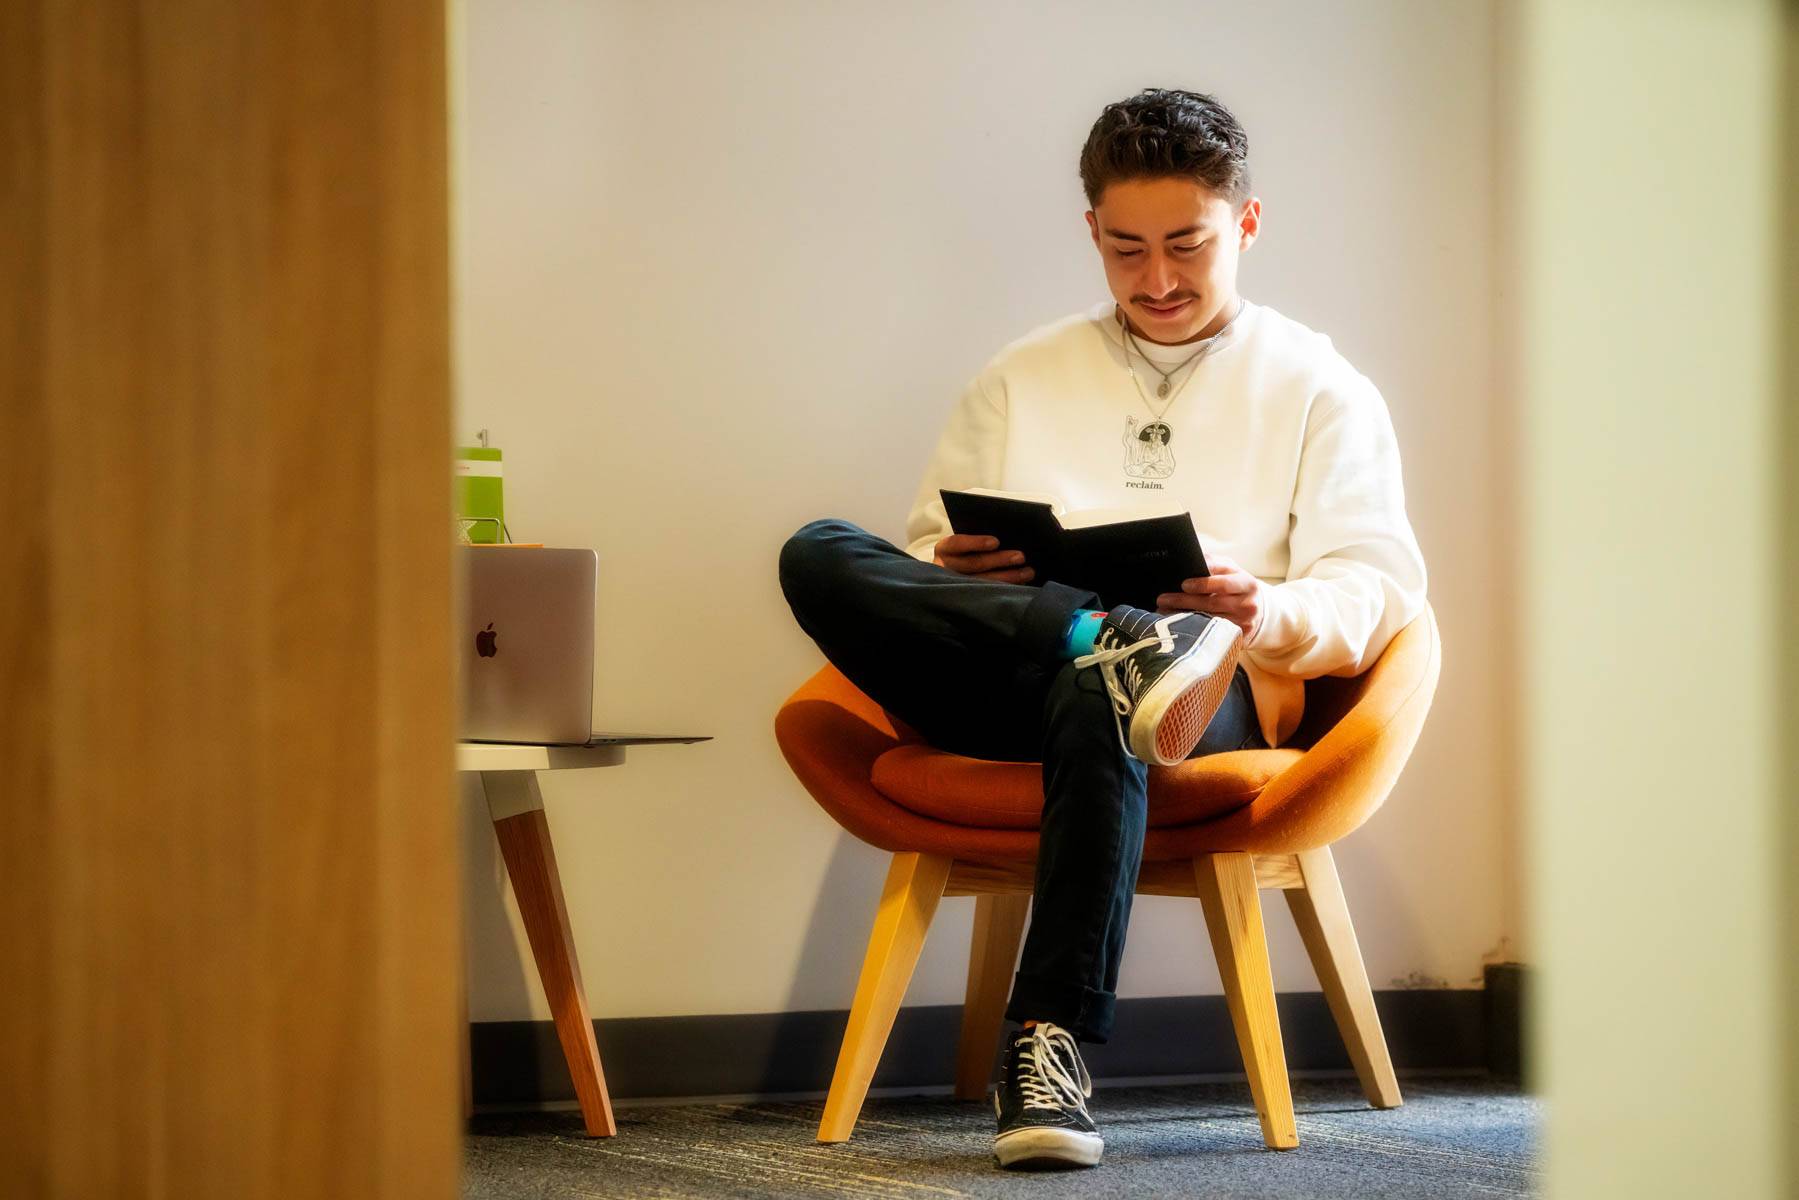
[{"x": 1282, "y": 452}]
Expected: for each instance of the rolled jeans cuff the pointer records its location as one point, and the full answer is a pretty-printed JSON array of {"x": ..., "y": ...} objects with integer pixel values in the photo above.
[
  {"x": 1083, "y": 1011},
  {"x": 1042, "y": 631}
]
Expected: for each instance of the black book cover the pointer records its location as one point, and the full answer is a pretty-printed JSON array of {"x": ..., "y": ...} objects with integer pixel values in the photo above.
[{"x": 1125, "y": 562}]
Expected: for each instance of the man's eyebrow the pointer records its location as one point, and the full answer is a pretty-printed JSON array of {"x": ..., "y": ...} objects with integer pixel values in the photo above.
[{"x": 1122, "y": 236}]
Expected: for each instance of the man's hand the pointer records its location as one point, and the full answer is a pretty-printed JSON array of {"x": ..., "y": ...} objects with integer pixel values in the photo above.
[
  {"x": 980, "y": 556},
  {"x": 1229, "y": 592}
]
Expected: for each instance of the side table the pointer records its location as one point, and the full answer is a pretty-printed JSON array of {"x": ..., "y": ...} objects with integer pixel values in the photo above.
[{"x": 509, "y": 781}]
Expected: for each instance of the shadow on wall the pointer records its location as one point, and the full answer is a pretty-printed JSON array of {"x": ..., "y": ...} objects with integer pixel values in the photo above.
[
  {"x": 490, "y": 950},
  {"x": 836, "y": 938}
]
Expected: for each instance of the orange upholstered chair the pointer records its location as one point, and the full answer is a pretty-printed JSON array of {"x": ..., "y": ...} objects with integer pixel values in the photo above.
[{"x": 1221, "y": 828}]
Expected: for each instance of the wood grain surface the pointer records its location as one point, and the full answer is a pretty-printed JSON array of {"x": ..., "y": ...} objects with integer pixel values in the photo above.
[{"x": 228, "y": 907}]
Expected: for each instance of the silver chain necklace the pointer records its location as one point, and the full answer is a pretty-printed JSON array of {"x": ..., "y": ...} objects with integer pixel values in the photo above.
[
  {"x": 1205, "y": 348},
  {"x": 1171, "y": 372}
]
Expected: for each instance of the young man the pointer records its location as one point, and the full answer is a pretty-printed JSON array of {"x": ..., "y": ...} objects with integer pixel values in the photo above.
[{"x": 1175, "y": 390}]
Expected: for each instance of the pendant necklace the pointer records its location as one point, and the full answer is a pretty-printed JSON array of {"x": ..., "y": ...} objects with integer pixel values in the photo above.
[
  {"x": 1167, "y": 384},
  {"x": 1171, "y": 372}
]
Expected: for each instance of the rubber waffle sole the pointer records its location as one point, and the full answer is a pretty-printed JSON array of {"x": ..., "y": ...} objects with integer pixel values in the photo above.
[
  {"x": 1047, "y": 1149},
  {"x": 1183, "y": 721}
]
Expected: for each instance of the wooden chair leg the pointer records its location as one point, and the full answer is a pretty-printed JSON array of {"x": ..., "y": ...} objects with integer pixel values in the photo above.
[
  {"x": 1233, "y": 907},
  {"x": 1322, "y": 915},
  {"x": 992, "y": 956},
  {"x": 524, "y": 836},
  {"x": 915, "y": 884}
]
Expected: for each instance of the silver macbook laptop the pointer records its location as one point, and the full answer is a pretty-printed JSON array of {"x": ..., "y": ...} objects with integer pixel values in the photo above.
[
  {"x": 527, "y": 644},
  {"x": 527, "y": 649}
]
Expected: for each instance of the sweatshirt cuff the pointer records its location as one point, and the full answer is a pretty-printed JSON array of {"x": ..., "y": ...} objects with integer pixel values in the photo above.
[{"x": 1284, "y": 621}]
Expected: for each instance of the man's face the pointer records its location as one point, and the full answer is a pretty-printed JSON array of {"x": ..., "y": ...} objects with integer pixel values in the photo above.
[{"x": 1170, "y": 247}]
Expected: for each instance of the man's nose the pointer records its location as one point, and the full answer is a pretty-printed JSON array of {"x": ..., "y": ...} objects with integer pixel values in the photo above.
[{"x": 1161, "y": 278}]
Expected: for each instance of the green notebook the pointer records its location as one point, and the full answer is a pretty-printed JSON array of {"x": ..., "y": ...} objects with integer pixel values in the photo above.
[{"x": 480, "y": 502}]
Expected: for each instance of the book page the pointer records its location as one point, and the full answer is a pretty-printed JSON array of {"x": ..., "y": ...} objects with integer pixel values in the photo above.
[
  {"x": 1087, "y": 518},
  {"x": 1055, "y": 505}
]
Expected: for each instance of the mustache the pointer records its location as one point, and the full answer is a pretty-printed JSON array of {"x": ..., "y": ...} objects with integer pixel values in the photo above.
[{"x": 1170, "y": 302}]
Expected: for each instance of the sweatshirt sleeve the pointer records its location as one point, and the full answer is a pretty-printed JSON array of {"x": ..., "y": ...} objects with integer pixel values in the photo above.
[
  {"x": 970, "y": 453},
  {"x": 1355, "y": 576}
]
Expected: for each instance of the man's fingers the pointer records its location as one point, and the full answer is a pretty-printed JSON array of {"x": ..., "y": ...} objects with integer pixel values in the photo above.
[
  {"x": 1177, "y": 601},
  {"x": 1217, "y": 606},
  {"x": 966, "y": 543},
  {"x": 1216, "y": 585},
  {"x": 978, "y": 564}
]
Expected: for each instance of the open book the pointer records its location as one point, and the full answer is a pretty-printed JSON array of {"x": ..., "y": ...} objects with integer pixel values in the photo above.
[{"x": 1128, "y": 556}]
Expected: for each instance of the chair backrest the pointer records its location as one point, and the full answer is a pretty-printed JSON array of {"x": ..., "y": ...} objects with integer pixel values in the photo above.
[
  {"x": 1329, "y": 699},
  {"x": 1363, "y": 733}
]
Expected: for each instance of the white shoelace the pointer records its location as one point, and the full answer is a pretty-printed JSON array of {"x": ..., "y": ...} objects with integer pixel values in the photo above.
[
  {"x": 1046, "y": 1082},
  {"x": 1107, "y": 661}
]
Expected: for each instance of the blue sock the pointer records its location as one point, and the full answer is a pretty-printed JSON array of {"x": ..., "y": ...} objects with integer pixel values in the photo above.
[{"x": 1083, "y": 627}]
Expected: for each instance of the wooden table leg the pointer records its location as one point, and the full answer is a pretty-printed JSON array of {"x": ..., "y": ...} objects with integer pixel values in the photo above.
[{"x": 516, "y": 805}]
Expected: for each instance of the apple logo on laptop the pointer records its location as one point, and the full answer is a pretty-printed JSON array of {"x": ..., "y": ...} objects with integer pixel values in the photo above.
[{"x": 484, "y": 642}]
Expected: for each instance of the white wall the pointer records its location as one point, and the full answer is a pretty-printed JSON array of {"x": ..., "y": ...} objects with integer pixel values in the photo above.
[{"x": 724, "y": 267}]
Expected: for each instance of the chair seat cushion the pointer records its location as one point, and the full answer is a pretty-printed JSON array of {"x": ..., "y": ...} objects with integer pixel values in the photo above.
[{"x": 1007, "y": 795}]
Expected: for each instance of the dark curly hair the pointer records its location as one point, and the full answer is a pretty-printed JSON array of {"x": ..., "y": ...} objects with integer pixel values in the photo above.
[{"x": 1160, "y": 132}]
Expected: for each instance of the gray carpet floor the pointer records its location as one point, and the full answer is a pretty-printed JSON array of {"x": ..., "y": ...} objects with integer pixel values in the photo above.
[{"x": 1454, "y": 1136}]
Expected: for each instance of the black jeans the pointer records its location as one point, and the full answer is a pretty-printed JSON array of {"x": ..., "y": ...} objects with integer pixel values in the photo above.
[{"x": 977, "y": 669}]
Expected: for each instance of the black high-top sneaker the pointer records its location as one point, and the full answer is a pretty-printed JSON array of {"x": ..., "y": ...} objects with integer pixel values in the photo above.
[
  {"x": 1168, "y": 674},
  {"x": 1041, "y": 1102}
]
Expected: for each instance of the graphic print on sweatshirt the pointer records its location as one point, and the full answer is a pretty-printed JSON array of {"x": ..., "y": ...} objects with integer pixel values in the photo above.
[{"x": 1146, "y": 451}]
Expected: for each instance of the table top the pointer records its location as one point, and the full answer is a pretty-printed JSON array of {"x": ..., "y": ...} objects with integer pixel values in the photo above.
[{"x": 606, "y": 750}]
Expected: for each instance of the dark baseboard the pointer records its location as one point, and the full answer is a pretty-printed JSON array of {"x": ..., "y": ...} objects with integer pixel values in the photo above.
[
  {"x": 1504, "y": 1020},
  {"x": 520, "y": 1062}
]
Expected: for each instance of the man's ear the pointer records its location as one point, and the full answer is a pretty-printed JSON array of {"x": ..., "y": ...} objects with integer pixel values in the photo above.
[
  {"x": 1249, "y": 223},
  {"x": 1093, "y": 228}
]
